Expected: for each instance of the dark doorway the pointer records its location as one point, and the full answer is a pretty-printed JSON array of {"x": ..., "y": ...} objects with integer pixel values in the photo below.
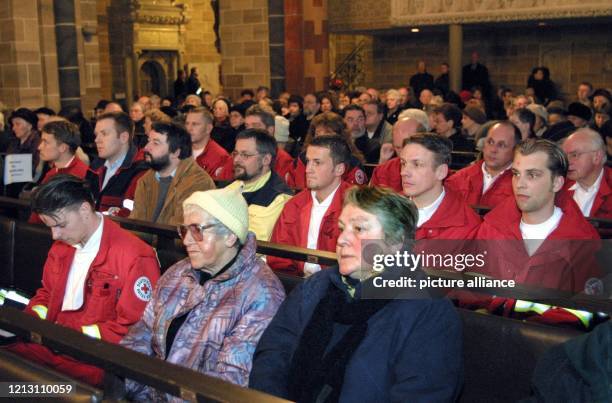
[{"x": 152, "y": 79}]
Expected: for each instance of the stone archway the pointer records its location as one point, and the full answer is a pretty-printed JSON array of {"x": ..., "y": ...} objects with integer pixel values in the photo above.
[
  {"x": 156, "y": 71},
  {"x": 152, "y": 79}
]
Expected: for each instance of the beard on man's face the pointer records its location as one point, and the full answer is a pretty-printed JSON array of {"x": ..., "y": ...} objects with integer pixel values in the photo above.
[
  {"x": 159, "y": 163},
  {"x": 240, "y": 172}
]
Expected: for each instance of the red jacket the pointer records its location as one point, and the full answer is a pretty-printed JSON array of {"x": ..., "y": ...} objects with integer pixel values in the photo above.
[
  {"x": 564, "y": 261},
  {"x": 453, "y": 219},
  {"x": 468, "y": 183},
  {"x": 292, "y": 227},
  {"x": 118, "y": 285},
  {"x": 551, "y": 265},
  {"x": 388, "y": 174},
  {"x": 354, "y": 174},
  {"x": 110, "y": 299},
  {"x": 213, "y": 159},
  {"x": 282, "y": 166},
  {"x": 76, "y": 167},
  {"x": 602, "y": 205},
  {"x": 140, "y": 155}
]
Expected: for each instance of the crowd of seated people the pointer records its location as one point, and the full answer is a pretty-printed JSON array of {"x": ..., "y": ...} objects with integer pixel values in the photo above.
[{"x": 293, "y": 171}]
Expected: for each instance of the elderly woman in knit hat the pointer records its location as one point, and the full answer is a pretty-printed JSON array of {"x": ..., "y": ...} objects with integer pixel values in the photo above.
[
  {"x": 339, "y": 338},
  {"x": 209, "y": 310}
]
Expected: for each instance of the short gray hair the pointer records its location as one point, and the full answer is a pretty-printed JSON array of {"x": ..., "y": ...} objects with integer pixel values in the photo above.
[
  {"x": 416, "y": 114},
  {"x": 397, "y": 214},
  {"x": 595, "y": 139}
]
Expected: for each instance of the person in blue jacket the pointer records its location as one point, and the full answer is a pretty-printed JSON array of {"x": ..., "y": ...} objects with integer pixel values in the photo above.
[{"x": 334, "y": 339}]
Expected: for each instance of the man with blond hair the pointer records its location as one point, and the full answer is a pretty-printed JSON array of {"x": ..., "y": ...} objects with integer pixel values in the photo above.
[{"x": 208, "y": 154}]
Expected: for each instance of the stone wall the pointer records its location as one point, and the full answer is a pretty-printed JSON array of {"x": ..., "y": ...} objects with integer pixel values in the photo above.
[
  {"x": 306, "y": 46},
  {"x": 573, "y": 54},
  {"x": 200, "y": 48},
  {"x": 359, "y": 15},
  {"x": 88, "y": 54},
  {"x": 28, "y": 54},
  {"x": 21, "y": 70},
  {"x": 245, "y": 54},
  {"x": 106, "y": 72},
  {"x": 48, "y": 57}
]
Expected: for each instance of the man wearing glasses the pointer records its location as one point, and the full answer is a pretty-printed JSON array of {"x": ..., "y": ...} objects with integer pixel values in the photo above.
[
  {"x": 264, "y": 191},
  {"x": 258, "y": 118},
  {"x": 589, "y": 180},
  {"x": 488, "y": 182},
  {"x": 209, "y": 310}
]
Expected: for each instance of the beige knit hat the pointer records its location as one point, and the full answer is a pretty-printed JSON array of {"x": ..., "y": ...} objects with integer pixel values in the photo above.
[
  {"x": 281, "y": 129},
  {"x": 226, "y": 205}
]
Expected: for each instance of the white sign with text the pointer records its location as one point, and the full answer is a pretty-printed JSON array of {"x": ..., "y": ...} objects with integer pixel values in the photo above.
[{"x": 17, "y": 168}]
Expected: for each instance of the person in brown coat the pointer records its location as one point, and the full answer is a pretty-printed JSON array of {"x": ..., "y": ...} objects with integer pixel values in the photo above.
[{"x": 174, "y": 176}]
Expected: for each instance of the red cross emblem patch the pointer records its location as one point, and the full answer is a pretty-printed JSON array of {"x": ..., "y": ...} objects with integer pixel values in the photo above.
[
  {"x": 143, "y": 289},
  {"x": 360, "y": 177}
]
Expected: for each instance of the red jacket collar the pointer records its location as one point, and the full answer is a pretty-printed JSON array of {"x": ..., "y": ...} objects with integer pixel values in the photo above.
[
  {"x": 448, "y": 213},
  {"x": 478, "y": 176},
  {"x": 336, "y": 204},
  {"x": 334, "y": 208}
]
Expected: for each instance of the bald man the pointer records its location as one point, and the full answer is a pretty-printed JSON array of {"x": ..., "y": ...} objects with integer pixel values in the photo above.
[
  {"x": 488, "y": 182},
  {"x": 112, "y": 107},
  {"x": 388, "y": 173},
  {"x": 589, "y": 180}
]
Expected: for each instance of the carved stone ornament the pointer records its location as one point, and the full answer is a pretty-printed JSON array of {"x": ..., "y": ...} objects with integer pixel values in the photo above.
[
  {"x": 442, "y": 12},
  {"x": 157, "y": 12}
]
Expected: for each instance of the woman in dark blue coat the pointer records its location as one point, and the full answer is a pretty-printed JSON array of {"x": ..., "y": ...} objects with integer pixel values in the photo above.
[{"x": 335, "y": 340}]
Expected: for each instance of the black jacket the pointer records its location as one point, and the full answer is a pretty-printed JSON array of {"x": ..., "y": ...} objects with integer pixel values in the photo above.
[
  {"x": 266, "y": 194},
  {"x": 120, "y": 186}
]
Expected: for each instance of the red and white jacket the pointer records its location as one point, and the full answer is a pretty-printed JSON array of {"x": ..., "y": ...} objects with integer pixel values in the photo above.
[
  {"x": 292, "y": 227},
  {"x": 117, "y": 287},
  {"x": 468, "y": 183},
  {"x": 354, "y": 174},
  {"x": 602, "y": 205},
  {"x": 453, "y": 219},
  {"x": 564, "y": 261}
]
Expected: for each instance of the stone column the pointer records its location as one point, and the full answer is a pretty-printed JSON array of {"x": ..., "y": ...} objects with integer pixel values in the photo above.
[
  {"x": 129, "y": 80},
  {"x": 67, "y": 53},
  {"x": 455, "y": 50},
  {"x": 135, "y": 77},
  {"x": 276, "y": 26},
  {"x": 294, "y": 50},
  {"x": 316, "y": 46}
]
